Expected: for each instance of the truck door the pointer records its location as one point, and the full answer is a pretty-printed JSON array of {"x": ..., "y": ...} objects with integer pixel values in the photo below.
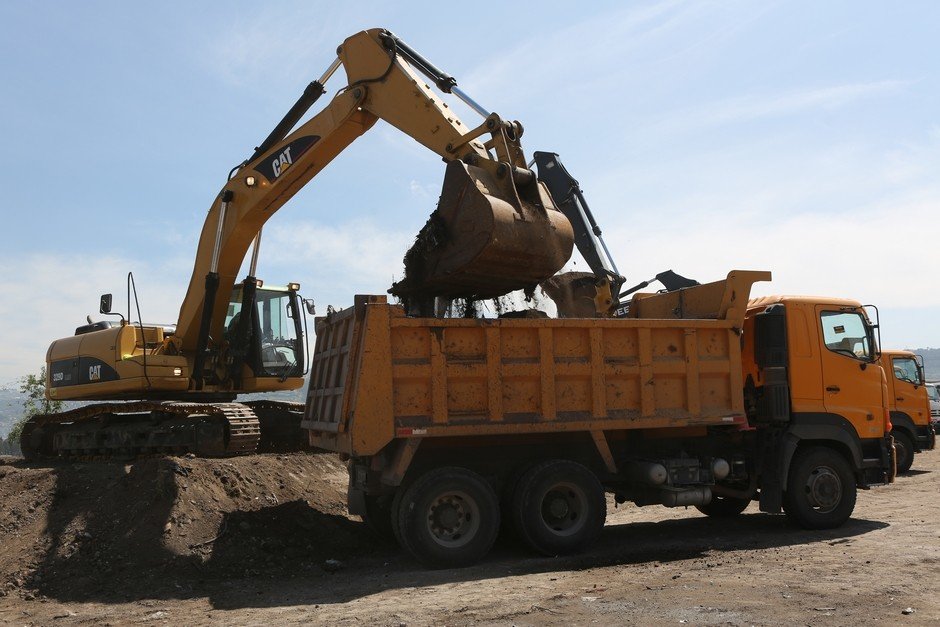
[
  {"x": 909, "y": 395},
  {"x": 852, "y": 385}
]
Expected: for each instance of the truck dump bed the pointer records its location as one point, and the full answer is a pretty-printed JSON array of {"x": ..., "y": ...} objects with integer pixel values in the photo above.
[{"x": 378, "y": 375}]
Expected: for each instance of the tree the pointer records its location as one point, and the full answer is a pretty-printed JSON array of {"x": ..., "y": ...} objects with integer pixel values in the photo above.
[{"x": 34, "y": 387}]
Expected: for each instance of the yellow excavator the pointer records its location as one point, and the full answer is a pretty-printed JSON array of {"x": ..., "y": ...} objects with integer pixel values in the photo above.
[{"x": 172, "y": 389}]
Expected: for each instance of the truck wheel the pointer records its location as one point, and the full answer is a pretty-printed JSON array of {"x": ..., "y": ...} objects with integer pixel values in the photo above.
[
  {"x": 448, "y": 518},
  {"x": 820, "y": 489},
  {"x": 378, "y": 516},
  {"x": 904, "y": 450},
  {"x": 559, "y": 507},
  {"x": 724, "y": 506}
]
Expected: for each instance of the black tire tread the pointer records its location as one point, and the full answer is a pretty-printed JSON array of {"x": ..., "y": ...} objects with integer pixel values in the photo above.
[
  {"x": 903, "y": 440},
  {"x": 522, "y": 492},
  {"x": 795, "y": 506},
  {"x": 489, "y": 513}
]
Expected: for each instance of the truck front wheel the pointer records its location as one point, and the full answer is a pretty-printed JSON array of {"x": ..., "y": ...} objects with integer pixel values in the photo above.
[
  {"x": 904, "y": 447},
  {"x": 820, "y": 489},
  {"x": 448, "y": 518},
  {"x": 559, "y": 507}
]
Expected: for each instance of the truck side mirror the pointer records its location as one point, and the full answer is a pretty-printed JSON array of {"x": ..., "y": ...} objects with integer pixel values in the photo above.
[
  {"x": 105, "y": 307},
  {"x": 311, "y": 308}
]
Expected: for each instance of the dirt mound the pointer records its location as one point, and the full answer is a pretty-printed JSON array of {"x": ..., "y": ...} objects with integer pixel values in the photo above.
[{"x": 70, "y": 529}]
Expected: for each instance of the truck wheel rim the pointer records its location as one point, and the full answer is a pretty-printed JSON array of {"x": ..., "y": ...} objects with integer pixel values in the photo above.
[
  {"x": 563, "y": 509},
  {"x": 824, "y": 489},
  {"x": 453, "y": 519}
]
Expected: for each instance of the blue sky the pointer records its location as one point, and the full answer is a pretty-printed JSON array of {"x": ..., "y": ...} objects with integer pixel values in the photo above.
[{"x": 799, "y": 137}]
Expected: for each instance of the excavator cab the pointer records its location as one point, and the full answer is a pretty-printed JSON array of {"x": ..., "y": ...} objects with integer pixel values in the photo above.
[{"x": 272, "y": 340}]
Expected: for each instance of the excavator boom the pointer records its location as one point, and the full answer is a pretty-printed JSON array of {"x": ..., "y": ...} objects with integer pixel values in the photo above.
[{"x": 498, "y": 229}]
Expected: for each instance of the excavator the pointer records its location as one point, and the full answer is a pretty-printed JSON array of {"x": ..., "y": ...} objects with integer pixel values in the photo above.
[{"x": 172, "y": 389}]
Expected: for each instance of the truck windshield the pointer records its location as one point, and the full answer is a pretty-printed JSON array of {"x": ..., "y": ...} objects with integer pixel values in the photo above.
[
  {"x": 933, "y": 393},
  {"x": 846, "y": 333},
  {"x": 905, "y": 369}
]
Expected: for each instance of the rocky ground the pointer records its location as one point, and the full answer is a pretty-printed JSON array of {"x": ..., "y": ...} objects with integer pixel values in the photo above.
[{"x": 266, "y": 540}]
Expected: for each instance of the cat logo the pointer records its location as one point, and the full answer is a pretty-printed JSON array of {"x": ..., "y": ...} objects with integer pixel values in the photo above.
[
  {"x": 281, "y": 162},
  {"x": 94, "y": 373},
  {"x": 273, "y": 166}
]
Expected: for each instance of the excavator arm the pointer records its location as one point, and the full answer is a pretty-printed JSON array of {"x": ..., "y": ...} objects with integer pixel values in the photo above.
[{"x": 501, "y": 228}]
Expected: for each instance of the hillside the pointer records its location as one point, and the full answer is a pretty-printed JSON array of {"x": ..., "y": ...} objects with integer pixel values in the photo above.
[
  {"x": 11, "y": 408},
  {"x": 931, "y": 362}
]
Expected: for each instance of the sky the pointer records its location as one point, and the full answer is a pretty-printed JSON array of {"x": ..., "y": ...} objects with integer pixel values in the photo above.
[{"x": 797, "y": 137}]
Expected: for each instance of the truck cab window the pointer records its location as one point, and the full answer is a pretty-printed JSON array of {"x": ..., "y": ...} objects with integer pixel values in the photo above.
[
  {"x": 905, "y": 369},
  {"x": 846, "y": 333}
]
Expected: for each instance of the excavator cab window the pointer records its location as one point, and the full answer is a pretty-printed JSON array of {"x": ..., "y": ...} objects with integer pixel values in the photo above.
[{"x": 277, "y": 332}]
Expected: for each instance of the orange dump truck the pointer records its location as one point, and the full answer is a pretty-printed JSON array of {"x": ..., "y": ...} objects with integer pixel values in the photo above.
[
  {"x": 909, "y": 405},
  {"x": 454, "y": 426}
]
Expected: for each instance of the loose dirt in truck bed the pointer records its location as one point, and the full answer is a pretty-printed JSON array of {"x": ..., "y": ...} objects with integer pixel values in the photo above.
[{"x": 265, "y": 540}]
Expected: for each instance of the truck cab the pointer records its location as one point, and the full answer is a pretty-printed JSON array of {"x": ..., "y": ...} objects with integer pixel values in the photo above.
[
  {"x": 909, "y": 404},
  {"x": 811, "y": 367}
]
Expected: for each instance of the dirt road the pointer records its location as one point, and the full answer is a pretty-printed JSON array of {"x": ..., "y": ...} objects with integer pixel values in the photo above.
[{"x": 265, "y": 540}]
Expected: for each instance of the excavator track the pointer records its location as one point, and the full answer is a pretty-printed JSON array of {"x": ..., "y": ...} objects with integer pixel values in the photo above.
[
  {"x": 139, "y": 428},
  {"x": 280, "y": 426}
]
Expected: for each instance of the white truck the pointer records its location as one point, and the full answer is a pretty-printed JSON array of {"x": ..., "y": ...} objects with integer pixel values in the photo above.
[{"x": 933, "y": 392}]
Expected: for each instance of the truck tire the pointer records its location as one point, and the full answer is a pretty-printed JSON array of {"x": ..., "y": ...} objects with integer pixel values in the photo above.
[
  {"x": 559, "y": 507},
  {"x": 378, "y": 516},
  {"x": 904, "y": 450},
  {"x": 448, "y": 518},
  {"x": 820, "y": 489},
  {"x": 724, "y": 506}
]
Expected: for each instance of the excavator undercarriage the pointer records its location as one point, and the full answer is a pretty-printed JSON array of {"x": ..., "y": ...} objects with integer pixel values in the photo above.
[{"x": 139, "y": 428}]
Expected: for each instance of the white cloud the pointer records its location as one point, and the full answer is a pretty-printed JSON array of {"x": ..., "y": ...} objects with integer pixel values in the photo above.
[
  {"x": 281, "y": 44},
  {"x": 756, "y": 106},
  {"x": 334, "y": 262},
  {"x": 47, "y": 296}
]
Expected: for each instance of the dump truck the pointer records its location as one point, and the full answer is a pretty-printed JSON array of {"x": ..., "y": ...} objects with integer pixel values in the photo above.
[
  {"x": 909, "y": 404},
  {"x": 453, "y": 428}
]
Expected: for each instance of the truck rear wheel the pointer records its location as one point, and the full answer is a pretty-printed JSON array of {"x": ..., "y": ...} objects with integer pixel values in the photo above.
[
  {"x": 448, "y": 518},
  {"x": 724, "y": 506},
  {"x": 904, "y": 450},
  {"x": 559, "y": 507},
  {"x": 820, "y": 489}
]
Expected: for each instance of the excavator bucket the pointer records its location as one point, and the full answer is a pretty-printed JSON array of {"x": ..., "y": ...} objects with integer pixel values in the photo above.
[{"x": 490, "y": 235}]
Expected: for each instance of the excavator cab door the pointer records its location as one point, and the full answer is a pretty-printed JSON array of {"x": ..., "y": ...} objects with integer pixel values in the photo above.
[{"x": 276, "y": 339}]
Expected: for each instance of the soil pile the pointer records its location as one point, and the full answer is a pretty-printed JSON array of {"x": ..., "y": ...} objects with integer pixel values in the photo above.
[{"x": 68, "y": 529}]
